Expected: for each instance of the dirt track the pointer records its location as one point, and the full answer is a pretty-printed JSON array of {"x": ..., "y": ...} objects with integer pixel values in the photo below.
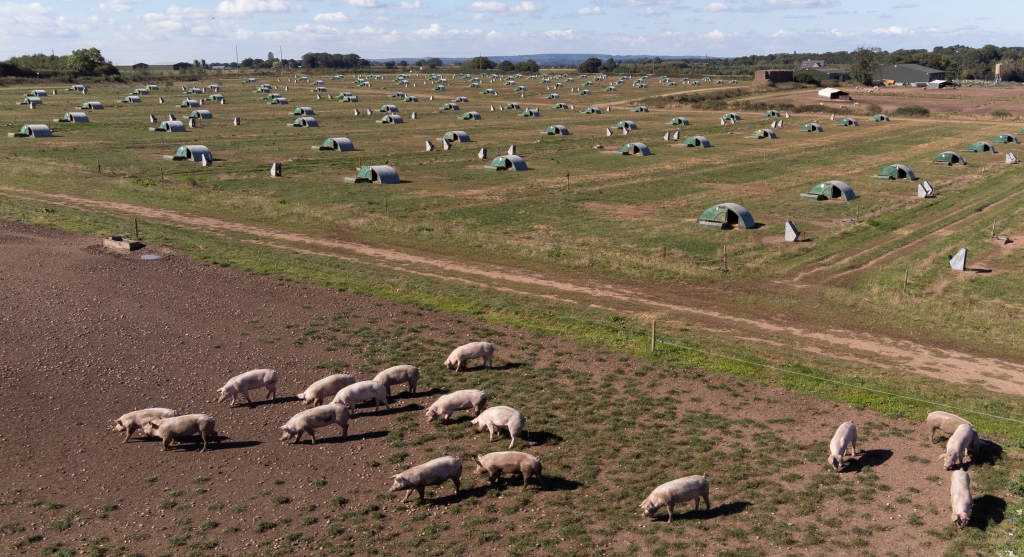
[{"x": 948, "y": 365}]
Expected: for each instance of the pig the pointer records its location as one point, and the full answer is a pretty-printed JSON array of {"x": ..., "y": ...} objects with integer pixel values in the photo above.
[
  {"x": 358, "y": 392},
  {"x": 308, "y": 421},
  {"x": 495, "y": 418},
  {"x": 960, "y": 498},
  {"x": 435, "y": 472},
  {"x": 459, "y": 357},
  {"x": 134, "y": 421},
  {"x": 325, "y": 389},
  {"x": 944, "y": 422},
  {"x": 250, "y": 380},
  {"x": 683, "y": 490},
  {"x": 963, "y": 439},
  {"x": 397, "y": 375},
  {"x": 170, "y": 429},
  {"x": 509, "y": 462},
  {"x": 845, "y": 435},
  {"x": 459, "y": 400}
]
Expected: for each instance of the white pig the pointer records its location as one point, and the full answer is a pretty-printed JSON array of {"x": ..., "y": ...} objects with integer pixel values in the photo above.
[
  {"x": 963, "y": 439},
  {"x": 459, "y": 400},
  {"x": 170, "y": 429},
  {"x": 245, "y": 382},
  {"x": 435, "y": 472},
  {"x": 846, "y": 435},
  {"x": 308, "y": 421},
  {"x": 397, "y": 375},
  {"x": 325, "y": 389},
  {"x": 683, "y": 490},
  {"x": 944, "y": 422},
  {"x": 508, "y": 462},
  {"x": 460, "y": 357},
  {"x": 134, "y": 421},
  {"x": 358, "y": 392},
  {"x": 960, "y": 498},
  {"x": 500, "y": 416}
]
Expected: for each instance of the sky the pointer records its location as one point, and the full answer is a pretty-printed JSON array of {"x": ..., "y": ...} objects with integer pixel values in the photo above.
[{"x": 130, "y": 31}]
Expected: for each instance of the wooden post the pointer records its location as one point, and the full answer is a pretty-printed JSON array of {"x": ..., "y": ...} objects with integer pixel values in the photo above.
[
  {"x": 905, "y": 277},
  {"x": 858, "y": 214},
  {"x": 726, "y": 248},
  {"x": 654, "y": 332},
  {"x": 993, "y": 228},
  {"x": 136, "y": 229}
]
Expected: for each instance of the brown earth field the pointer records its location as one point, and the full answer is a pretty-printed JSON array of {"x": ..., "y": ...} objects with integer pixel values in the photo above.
[
  {"x": 966, "y": 102},
  {"x": 87, "y": 334}
]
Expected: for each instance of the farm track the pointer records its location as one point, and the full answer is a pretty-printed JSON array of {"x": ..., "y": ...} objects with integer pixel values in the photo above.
[{"x": 853, "y": 346}]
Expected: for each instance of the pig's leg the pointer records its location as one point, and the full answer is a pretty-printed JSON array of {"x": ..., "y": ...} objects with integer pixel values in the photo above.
[
  {"x": 456, "y": 482},
  {"x": 671, "y": 507},
  {"x": 130, "y": 430},
  {"x": 408, "y": 492},
  {"x": 420, "y": 491}
]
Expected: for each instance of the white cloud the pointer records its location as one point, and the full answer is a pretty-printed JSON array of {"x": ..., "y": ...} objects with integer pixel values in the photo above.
[
  {"x": 797, "y": 4},
  {"x": 36, "y": 20},
  {"x": 247, "y": 7},
  {"x": 491, "y": 6},
  {"x": 567, "y": 34},
  {"x": 480, "y": 17},
  {"x": 494, "y": 36},
  {"x": 362, "y": 3},
  {"x": 115, "y": 6},
  {"x": 336, "y": 17},
  {"x": 411, "y": 5},
  {"x": 714, "y": 35},
  {"x": 894, "y": 30},
  {"x": 779, "y": 34},
  {"x": 589, "y": 11},
  {"x": 905, "y": 5},
  {"x": 714, "y": 7},
  {"x": 525, "y": 7},
  {"x": 642, "y": 3}
]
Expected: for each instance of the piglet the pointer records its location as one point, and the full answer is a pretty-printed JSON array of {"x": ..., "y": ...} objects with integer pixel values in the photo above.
[
  {"x": 325, "y": 389},
  {"x": 459, "y": 357},
  {"x": 459, "y": 400},
  {"x": 308, "y": 421},
  {"x": 358, "y": 392},
  {"x": 170, "y": 429},
  {"x": 509, "y": 462},
  {"x": 683, "y": 490},
  {"x": 134, "y": 421},
  {"x": 501, "y": 416},
  {"x": 250, "y": 380},
  {"x": 435, "y": 472},
  {"x": 846, "y": 435},
  {"x": 397, "y": 375}
]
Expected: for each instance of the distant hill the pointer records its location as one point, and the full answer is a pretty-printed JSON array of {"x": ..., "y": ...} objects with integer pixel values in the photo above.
[{"x": 542, "y": 59}]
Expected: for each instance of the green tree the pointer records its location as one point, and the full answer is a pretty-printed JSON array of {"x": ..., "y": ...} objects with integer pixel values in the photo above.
[
  {"x": 403, "y": 63},
  {"x": 609, "y": 65},
  {"x": 479, "y": 63},
  {"x": 505, "y": 66},
  {"x": 865, "y": 62},
  {"x": 390, "y": 64},
  {"x": 434, "y": 63},
  {"x": 86, "y": 61},
  {"x": 529, "y": 66},
  {"x": 590, "y": 65}
]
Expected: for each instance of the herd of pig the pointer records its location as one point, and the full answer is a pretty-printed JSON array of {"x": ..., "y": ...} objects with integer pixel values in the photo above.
[{"x": 344, "y": 392}]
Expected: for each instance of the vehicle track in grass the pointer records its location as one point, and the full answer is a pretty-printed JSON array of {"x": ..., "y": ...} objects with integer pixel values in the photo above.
[{"x": 887, "y": 353}]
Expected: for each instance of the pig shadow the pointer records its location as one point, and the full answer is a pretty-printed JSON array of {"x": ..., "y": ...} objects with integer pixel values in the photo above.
[
  {"x": 538, "y": 438},
  {"x": 195, "y": 443},
  {"x": 684, "y": 511},
  {"x": 872, "y": 458},
  {"x": 337, "y": 440},
  {"x": 989, "y": 453},
  {"x": 418, "y": 394},
  {"x": 509, "y": 365},
  {"x": 268, "y": 402},
  {"x": 987, "y": 510}
]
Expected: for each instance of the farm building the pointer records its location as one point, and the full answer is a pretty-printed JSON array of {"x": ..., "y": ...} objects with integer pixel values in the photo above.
[
  {"x": 1006, "y": 138},
  {"x": 75, "y": 117},
  {"x": 304, "y": 122},
  {"x": 812, "y": 127},
  {"x": 592, "y": 110},
  {"x": 908, "y": 73},
  {"x": 335, "y": 144},
  {"x": 808, "y": 63},
  {"x": 731, "y": 116},
  {"x": 530, "y": 112},
  {"x": 833, "y": 189},
  {"x": 278, "y": 100},
  {"x": 488, "y": 92},
  {"x": 949, "y": 158},
  {"x": 134, "y": 99},
  {"x": 557, "y": 130},
  {"x": 169, "y": 126},
  {"x": 376, "y": 174},
  {"x": 216, "y": 97},
  {"x": 143, "y": 92},
  {"x": 554, "y": 96},
  {"x": 520, "y": 88},
  {"x": 191, "y": 91},
  {"x": 561, "y": 105},
  {"x": 303, "y": 111},
  {"x": 188, "y": 103},
  {"x": 201, "y": 114},
  {"x": 833, "y": 94},
  {"x": 980, "y": 147},
  {"x": 460, "y": 100},
  {"x": 93, "y": 105},
  {"x": 392, "y": 119},
  {"x": 828, "y": 74},
  {"x": 626, "y": 125},
  {"x": 439, "y": 87},
  {"x": 507, "y": 162},
  {"x": 896, "y": 172},
  {"x": 764, "y": 77},
  {"x": 511, "y": 106},
  {"x": 33, "y": 101},
  {"x": 679, "y": 121},
  {"x": 771, "y": 114},
  {"x": 879, "y": 118},
  {"x": 346, "y": 98},
  {"x": 33, "y": 130},
  {"x": 610, "y": 88},
  {"x": 461, "y": 137},
  {"x": 696, "y": 141},
  {"x": 449, "y": 106},
  {"x": 584, "y": 91},
  {"x": 764, "y": 134},
  {"x": 470, "y": 115},
  {"x": 847, "y": 122},
  {"x": 272, "y": 96},
  {"x": 197, "y": 153},
  {"x": 388, "y": 108},
  {"x": 319, "y": 89},
  {"x": 726, "y": 215},
  {"x": 411, "y": 99},
  {"x": 634, "y": 149},
  {"x": 79, "y": 88},
  {"x": 640, "y": 109}
]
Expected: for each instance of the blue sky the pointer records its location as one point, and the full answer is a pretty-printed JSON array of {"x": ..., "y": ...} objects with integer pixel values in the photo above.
[{"x": 130, "y": 31}]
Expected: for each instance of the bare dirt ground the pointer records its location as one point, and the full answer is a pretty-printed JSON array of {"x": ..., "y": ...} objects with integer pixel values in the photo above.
[
  {"x": 948, "y": 365},
  {"x": 967, "y": 102},
  {"x": 87, "y": 334}
]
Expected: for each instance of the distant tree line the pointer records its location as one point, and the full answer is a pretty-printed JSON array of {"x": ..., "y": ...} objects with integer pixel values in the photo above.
[
  {"x": 481, "y": 63},
  {"x": 86, "y": 62},
  {"x": 311, "y": 60}
]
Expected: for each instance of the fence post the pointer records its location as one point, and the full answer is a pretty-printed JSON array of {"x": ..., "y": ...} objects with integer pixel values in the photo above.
[
  {"x": 905, "y": 277},
  {"x": 654, "y": 326}
]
